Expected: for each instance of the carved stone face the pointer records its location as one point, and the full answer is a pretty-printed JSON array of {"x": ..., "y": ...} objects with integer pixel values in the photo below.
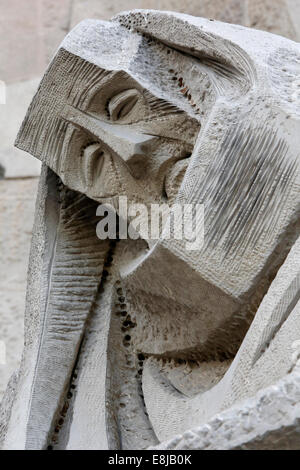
[
  {"x": 191, "y": 112},
  {"x": 125, "y": 141},
  {"x": 167, "y": 124}
]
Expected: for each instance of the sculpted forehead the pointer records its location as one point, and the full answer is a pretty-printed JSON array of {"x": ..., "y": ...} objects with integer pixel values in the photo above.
[
  {"x": 98, "y": 59},
  {"x": 75, "y": 83},
  {"x": 110, "y": 46}
]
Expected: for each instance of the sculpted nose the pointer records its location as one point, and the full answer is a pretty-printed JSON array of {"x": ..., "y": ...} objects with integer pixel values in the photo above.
[{"x": 121, "y": 139}]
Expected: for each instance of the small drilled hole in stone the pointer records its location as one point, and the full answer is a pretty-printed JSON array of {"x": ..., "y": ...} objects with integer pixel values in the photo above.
[{"x": 65, "y": 408}]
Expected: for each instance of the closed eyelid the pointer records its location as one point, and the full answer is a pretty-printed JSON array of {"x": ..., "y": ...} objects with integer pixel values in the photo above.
[
  {"x": 121, "y": 104},
  {"x": 113, "y": 136}
]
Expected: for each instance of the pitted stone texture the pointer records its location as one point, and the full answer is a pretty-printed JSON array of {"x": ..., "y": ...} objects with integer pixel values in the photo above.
[
  {"x": 16, "y": 219},
  {"x": 16, "y": 164}
]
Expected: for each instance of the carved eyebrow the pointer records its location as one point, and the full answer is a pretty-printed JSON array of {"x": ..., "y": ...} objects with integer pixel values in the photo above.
[{"x": 96, "y": 77}]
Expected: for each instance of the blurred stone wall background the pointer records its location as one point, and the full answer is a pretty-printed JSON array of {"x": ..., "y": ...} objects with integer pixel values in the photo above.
[{"x": 30, "y": 32}]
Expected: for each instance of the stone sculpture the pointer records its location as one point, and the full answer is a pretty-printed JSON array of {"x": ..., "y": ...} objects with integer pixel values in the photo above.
[{"x": 130, "y": 343}]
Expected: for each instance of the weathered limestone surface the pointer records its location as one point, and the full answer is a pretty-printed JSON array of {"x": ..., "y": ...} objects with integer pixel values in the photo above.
[
  {"x": 129, "y": 343},
  {"x": 270, "y": 351},
  {"x": 30, "y": 32},
  {"x": 34, "y": 29},
  {"x": 270, "y": 421}
]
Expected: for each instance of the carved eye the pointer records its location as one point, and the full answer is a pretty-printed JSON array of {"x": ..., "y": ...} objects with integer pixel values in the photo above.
[
  {"x": 122, "y": 103},
  {"x": 175, "y": 176}
]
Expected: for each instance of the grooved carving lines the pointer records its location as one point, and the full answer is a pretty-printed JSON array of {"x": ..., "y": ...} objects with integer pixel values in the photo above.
[
  {"x": 75, "y": 271},
  {"x": 246, "y": 187}
]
